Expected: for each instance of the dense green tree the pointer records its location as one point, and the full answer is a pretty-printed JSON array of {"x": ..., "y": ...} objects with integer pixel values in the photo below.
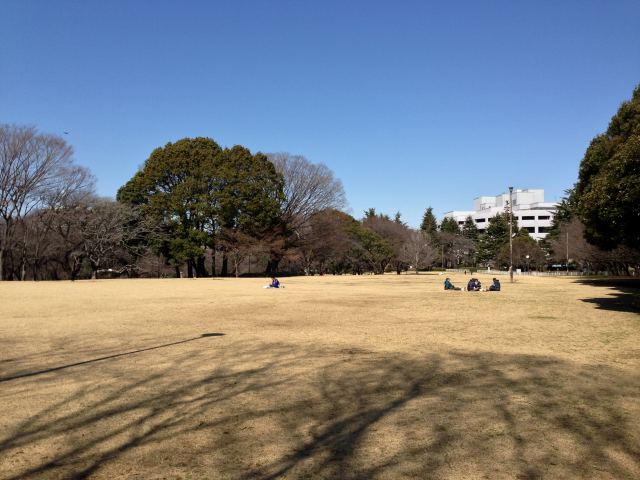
[
  {"x": 527, "y": 254},
  {"x": 205, "y": 196},
  {"x": 176, "y": 187},
  {"x": 249, "y": 199},
  {"x": 522, "y": 233},
  {"x": 607, "y": 195},
  {"x": 429, "y": 223},
  {"x": 450, "y": 225},
  {"x": 469, "y": 229},
  {"x": 371, "y": 249},
  {"x": 496, "y": 235}
]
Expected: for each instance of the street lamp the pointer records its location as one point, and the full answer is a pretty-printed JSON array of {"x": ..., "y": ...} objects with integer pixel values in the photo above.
[
  {"x": 511, "y": 234},
  {"x": 567, "y": 251}
]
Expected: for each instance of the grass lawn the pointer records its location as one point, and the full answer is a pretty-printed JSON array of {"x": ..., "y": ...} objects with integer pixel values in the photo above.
[{"x": 332, "y": 377}]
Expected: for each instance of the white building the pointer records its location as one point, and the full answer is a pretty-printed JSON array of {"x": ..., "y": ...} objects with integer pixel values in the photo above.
[{"x": 529, "y": 209}]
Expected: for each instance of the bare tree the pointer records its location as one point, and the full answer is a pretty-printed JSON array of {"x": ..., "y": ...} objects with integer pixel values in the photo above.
[
  {"x": 308, "y": 187},
  {"x": 394, "y": 231},
  {"x": 419, "y": 250},
  {"x": 109, "y": 232},
  {"x": 33, "y": 169},
  {"x": 571, "y": 242},
  {"x": 73, "y": 187},
  {"x": 455, "y": 247},
  {"x": 325, "y": 241}
]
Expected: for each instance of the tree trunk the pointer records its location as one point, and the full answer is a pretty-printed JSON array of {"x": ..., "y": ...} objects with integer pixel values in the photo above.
[
  {"x": 272, "y": 265},
  {"x": 177, "y": 271},
  {"x": 190, "y": 268},
  {"x": 225, "y": 265},
  {"x": 201, "y": 269},
  {"x": 2, "y": 262}
]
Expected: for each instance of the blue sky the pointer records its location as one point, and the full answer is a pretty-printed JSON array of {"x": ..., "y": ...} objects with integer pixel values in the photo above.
[{"x": 410, "y": 103}]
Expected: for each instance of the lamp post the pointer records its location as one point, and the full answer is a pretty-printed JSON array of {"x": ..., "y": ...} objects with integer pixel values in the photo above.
[
  {"x": 511, "y": 234},
  {"x": 567, "y": 251}
]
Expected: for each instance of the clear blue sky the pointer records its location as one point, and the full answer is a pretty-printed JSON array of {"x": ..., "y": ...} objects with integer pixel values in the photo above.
[{"x": 411, "y": 103}]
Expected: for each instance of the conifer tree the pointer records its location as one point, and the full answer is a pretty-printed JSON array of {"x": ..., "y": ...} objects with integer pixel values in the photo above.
[{"x": 429, "y": 223}]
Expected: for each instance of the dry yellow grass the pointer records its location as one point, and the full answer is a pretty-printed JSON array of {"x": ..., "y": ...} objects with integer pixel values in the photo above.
[{"x": 331, "y": 377}]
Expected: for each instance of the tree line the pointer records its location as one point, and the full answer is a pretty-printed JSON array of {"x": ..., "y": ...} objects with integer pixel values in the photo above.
[{"x": 197, "y": 209}]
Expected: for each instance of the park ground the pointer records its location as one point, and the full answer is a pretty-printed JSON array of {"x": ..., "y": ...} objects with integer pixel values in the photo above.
[{"x": 372, "y": 377}]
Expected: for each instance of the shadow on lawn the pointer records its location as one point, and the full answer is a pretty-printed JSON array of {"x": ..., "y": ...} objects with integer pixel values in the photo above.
[
  {"x": 625, "y": 296},
  {"x": 107, "y": 357},
  {"x": 275, "y": 410}
]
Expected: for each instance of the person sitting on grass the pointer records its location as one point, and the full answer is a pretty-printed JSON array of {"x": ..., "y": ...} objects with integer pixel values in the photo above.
[
  {"x": 275, "y": 283},
  {"x": 495, "y": 287},
  {"x": 474, "y": 285},
  {"x": 449, "y": 286}
]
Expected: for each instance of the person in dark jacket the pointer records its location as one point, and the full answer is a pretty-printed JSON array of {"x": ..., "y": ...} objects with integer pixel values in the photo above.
[
  {"x": 275, "y": 283},
  {"x": 449, "y": 286},
  {"x": 474, "y": 285},
  {"x": 495, "y": 287}
]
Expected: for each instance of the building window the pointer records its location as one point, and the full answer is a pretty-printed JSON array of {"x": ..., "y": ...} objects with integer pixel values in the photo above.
[
  {"x": 544, "y": 217},
  {"x": 460, "y": 222},
  {"x": 530, "y": 229},
  {"x": 480, "y": 220},
  {"x": 544, "y": 229},
  {"x": 528, "y": 217}
]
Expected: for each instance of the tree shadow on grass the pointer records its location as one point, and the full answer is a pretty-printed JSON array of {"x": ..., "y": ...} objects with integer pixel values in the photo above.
[
  {"x": 625, "y": 295},
  {"x": 107, "y": 357},
  {"x": 276, "y": 410}
]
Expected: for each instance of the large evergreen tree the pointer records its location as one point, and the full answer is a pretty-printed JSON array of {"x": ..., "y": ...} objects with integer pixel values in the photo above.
[
  {"x": 204, "y": 196},
  {"x": 469, "y": 229},
  {"x": 450, "y": 225},
  {"x": 429, "y": 223},
  {"x": 607, "y": 194},
  {"x": 496, "y": 235}
]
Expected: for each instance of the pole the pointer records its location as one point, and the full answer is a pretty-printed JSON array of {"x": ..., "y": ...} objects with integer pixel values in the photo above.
[
  {"x": 511, "y": 234},
  {"x": 567, "y": 252}
]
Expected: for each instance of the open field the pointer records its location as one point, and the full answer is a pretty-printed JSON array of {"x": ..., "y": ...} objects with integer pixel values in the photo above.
[{"x": 331, "y": 377}]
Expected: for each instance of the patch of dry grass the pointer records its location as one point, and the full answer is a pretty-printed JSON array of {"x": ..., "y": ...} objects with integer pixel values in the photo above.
[{"x": 331, "y": 377}]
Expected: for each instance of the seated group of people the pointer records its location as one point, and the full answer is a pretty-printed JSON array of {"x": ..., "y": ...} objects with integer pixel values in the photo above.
[{"x": 474, "y": 285}]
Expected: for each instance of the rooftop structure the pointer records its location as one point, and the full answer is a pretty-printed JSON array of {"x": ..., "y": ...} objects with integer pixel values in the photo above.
[{"x": 529, "y": 209}]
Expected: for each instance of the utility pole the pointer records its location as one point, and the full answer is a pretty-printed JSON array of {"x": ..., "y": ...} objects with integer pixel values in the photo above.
[{"x": 511, "y": 234}]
